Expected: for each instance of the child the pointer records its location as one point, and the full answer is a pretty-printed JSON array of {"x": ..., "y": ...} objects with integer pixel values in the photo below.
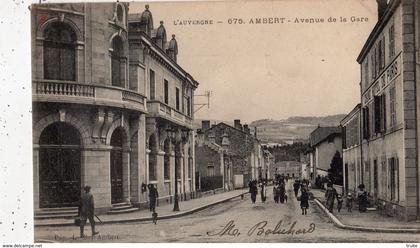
[
  {"x": 154, "y": 217},
  {"x": 339, "y": 202},
  {"x": 304, "y": 204},
  {"x": 349, "y": 202}
]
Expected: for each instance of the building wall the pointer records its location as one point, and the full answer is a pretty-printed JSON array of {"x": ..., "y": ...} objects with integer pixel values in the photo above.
[
  {"x": 288, "y": 168},
  {"x": 399, "y": 140},
  {"x": 96, "y": 108},
  {"x": 206, "y": 156},
  {"x": 325, "y": 151}
]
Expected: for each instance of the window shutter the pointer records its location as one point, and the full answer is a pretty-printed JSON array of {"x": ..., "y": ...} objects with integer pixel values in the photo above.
[{"x": 377, "y": 113}]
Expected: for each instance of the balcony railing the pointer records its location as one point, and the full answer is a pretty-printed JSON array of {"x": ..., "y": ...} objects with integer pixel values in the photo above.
[
  {"x": 73, "y": 92},
  {"x": 64, "y": 89},
  {"x": 163, "y": 110}
]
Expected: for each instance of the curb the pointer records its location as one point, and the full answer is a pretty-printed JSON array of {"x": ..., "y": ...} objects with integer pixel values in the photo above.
[
  {"x": 145, "y": 219},
  {"x": 338, "y": 224}
]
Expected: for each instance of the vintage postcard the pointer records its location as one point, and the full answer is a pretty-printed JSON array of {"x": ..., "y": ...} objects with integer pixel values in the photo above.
[{"x": 281, "y": 121}]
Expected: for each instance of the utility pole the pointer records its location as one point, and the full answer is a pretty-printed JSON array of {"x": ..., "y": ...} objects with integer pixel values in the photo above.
[{"x": 207, "y": 95}]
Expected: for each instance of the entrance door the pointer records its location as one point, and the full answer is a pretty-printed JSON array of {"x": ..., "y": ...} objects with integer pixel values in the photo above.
[
  {"x": 59, "y": 166},
  {"x": 116, "y": 167}
]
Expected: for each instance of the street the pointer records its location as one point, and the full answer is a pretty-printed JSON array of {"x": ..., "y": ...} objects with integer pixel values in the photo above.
[{"x": 235, "y": 221}]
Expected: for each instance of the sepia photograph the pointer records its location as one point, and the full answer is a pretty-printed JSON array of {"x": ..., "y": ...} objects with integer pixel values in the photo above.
[{"x": 255, "y": 121}]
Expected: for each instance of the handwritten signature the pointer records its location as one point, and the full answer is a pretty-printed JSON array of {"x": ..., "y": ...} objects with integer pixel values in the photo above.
[{"x": 262, "y": 229}]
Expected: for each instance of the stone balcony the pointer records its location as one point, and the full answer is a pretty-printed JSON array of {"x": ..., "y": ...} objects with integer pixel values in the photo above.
[
  {"x": 91, "y": 94},
  {"x": 159, "y": 109}
]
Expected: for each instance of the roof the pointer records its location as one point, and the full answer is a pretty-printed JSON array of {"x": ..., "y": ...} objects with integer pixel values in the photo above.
[
  {"x": 392, "y": 6},
  {"x": 349, "y": 116},
  {"x": 229, "y": 126},
  {"x": 322, "y": 133}
]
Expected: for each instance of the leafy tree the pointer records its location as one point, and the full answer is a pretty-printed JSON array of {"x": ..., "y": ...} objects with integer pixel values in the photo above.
[{"x": 335, "y": 173}]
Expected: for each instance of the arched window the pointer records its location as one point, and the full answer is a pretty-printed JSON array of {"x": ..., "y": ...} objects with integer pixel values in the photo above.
[
  {"x": 117, "y": 68},
  {"x": 59, "y": 52}
]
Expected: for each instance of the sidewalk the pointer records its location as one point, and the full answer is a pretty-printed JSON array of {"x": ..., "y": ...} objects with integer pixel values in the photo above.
[
  {"x": 372, "y": 221},
  {"x": 165, "y": 211}
]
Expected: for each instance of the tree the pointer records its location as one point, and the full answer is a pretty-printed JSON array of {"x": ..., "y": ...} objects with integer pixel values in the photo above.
[{"x": 335, "y": 173}]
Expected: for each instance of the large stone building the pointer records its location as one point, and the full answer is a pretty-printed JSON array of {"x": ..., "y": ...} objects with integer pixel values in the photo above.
[
  {"x": 389, "y": 108},
  {"x": 111, "y": 107}
]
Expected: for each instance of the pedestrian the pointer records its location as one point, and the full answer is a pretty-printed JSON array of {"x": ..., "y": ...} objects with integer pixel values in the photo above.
[
  {"x": 330, "y": 196},
  {"x": 362, "y": 198},
  {"x": 296, "y": 186},
  {"x": 282, "y": 192},
  {"x": 349, "y": 202},
  {"x": 87, "y": 211},
  {"x": 154, "y": 217},
  {"x": 276, "y": 192},
  {"x": 253, "y": 190},
  {"x": 263, "y": 192},
  {"x": 304, "y": 201},
  {"x": 339, "y": 202},
  {"x": 153, "y": 196}
]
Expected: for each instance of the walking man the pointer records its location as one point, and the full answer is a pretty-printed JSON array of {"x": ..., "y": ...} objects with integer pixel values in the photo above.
[
  {"x": 153, "y": 195},
  {"x": 87, "y": 211}
]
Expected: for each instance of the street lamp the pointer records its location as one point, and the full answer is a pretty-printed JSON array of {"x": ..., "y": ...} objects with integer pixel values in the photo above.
[{"x": 172, "y": 134}]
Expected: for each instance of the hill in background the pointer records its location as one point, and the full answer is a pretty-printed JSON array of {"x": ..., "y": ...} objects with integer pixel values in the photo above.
[{"x": 293, "y": 129}]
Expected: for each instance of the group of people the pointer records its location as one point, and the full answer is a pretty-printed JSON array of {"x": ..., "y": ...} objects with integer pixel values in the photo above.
[
  {"x": 86, "y": 210},
  {"x": 331, "y": 194},
  {"x": 279, "y": 192},
  {"x": 253, "y": 189}
]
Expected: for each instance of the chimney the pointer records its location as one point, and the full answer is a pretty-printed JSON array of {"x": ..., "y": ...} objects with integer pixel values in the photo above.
[
  {"x": 382, "y": 5},
  {"x": 237, "y": 124},
  {"x": 246, "y": 129},
  {"x": 205, "y": 125}
]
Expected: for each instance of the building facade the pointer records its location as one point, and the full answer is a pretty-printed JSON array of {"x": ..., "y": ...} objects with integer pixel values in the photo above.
[
  {"x": 291, "y": 169},
  {"x": 244, "y": 150},
  {"x": 325, "y": 143},
  {"x": 98, "y": 119},
  {"x": 353, "y": 175},
  {"x": 389, "y": 107},
  {"x": 213, "y": 163}
]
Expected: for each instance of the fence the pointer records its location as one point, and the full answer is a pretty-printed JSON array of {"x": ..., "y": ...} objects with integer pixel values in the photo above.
[{"x": 211, "y": 182}]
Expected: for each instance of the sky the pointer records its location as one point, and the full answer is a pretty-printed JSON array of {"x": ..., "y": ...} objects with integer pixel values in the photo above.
[{"x": 274, "y": 71}]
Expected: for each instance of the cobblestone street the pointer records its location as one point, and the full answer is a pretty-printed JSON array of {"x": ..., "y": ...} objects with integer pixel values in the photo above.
[{"x": 204, "y": 226}]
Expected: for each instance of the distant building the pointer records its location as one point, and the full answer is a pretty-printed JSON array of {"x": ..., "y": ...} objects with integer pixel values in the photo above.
[
  {"x": 213, "y": 163},
  {"x": 390, "y": 111},
  {"x": 244, "y": 149},
  {"x": 325, "y": 142},
  {"x": 291, "y": 169}
]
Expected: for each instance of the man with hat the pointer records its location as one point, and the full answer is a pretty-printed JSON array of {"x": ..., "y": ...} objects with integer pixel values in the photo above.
[{"x": 86, "y": 211}]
